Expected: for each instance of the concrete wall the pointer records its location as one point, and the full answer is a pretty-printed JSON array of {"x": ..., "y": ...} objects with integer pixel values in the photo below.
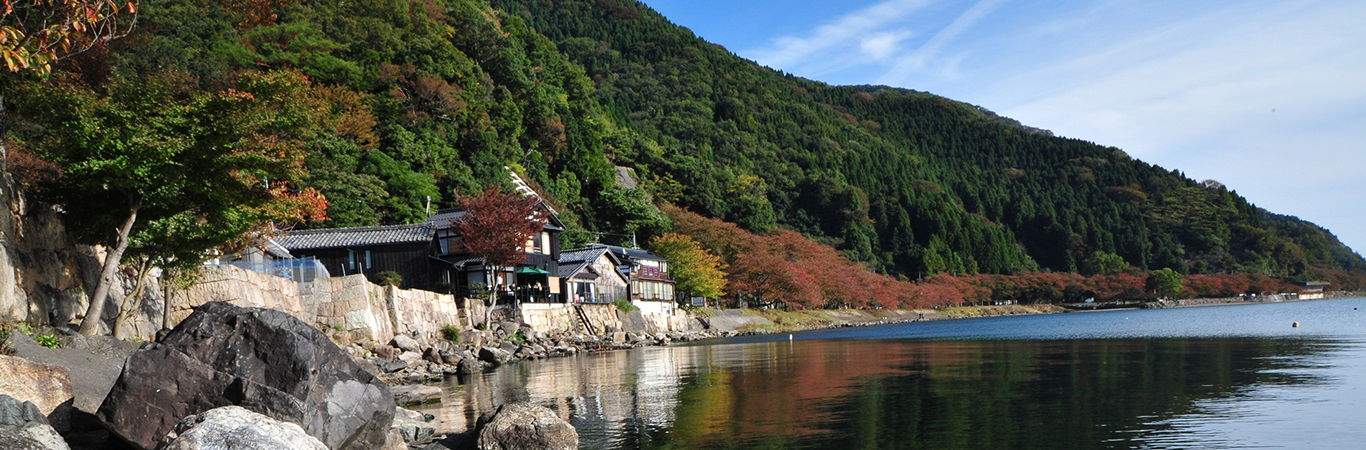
[{"x": 657, "y": 315}]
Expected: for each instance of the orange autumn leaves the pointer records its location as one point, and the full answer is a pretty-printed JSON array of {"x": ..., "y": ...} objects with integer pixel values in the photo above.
[{"x": 785, "y": 268}]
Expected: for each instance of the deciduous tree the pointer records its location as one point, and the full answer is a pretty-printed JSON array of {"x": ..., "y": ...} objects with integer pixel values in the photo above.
[
  {"x": 171, "y": 171},
  {"x": 695, "y": 271},
  {"x": 1165, "y": 282},
  {"x": 496, "y": 228}
]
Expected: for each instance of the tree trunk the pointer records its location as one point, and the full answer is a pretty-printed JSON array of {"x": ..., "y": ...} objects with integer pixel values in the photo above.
[
  {"x": 165, "y": 304},
  {"x": 90, "y": 326},
  {"x": 133, "y": 301},
  {"x": 493, "y": 298}
]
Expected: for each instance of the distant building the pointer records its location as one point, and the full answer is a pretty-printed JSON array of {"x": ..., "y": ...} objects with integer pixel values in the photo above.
[
  {"x": 403, "y": 249},
  {"x": 652, "y": 289},
  {"x": 591, "y": 275},
  {"x": 430, "y": 256},
  {"x": 1313, "y": 290},
  {"x": 536, "y": 279}
]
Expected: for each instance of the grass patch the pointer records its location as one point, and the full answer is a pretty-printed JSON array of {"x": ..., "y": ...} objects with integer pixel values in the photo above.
[
  {"x": 451, "y": 333},
  {"x": 754, "y": 327}
]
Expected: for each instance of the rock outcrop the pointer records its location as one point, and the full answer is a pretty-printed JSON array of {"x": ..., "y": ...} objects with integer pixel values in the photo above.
[
  {"x": 264, "y": 360},
  {"x": 524, "y": 426},
  {"x": 236, "y": 428},
  {"x": 24, "y": 427}
]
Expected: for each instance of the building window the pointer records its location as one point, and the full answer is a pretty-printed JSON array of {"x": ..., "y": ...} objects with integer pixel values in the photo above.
[{"x": 449, "y": 242}]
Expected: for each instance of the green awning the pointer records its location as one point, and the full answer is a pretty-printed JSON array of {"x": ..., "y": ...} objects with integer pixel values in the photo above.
[{"x": 532, "y": 270}]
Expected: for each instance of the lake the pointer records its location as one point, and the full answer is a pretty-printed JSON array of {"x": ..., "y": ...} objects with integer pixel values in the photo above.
[{"x": 1231, "y": 377}]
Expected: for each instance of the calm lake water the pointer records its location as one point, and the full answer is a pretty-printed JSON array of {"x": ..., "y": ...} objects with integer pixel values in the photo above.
[{"x": 1220, "y": 377}]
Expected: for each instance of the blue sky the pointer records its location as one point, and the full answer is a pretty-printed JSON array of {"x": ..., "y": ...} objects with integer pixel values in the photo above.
[{"x": 1267, "y": 97}]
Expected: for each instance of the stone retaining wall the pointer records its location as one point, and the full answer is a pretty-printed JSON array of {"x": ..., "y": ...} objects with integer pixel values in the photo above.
[
  {"x": 548, "y": 317},
  {"x": 350, "y": 304}
]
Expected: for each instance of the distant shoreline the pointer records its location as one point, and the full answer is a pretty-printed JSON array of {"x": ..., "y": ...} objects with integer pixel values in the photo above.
[{"x": 754, "y": 321}]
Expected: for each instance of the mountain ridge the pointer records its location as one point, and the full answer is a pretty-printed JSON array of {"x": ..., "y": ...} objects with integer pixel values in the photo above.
[{"x": 440, "y": 96}]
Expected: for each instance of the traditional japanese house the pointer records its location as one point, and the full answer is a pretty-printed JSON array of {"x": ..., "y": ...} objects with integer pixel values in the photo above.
[
  {"x": 651, "y": 289},
  {"x": 536, "y": 279},
  {"x": 591, "y": 275},
  {"x": 403, "y": 249}
]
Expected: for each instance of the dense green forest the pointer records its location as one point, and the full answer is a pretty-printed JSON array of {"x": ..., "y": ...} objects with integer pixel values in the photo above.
[{"x": 429, "y": 98}]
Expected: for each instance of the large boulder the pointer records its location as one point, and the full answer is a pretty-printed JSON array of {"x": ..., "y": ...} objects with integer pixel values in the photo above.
[
  {"x": 264, "y": 360},
  {"x": 24, "y": 427},
  {"x": 406, "y": 343},
  {"x": 525, "y": 426},
  {"x": 494, "y": 355},
  {"x": 236, "y": 428},
  {"x": 48, "y": 386}
]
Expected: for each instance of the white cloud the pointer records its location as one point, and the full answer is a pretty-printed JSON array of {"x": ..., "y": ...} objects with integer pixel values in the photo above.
[
  {"x": 882, "y": 45},
  {"x": 871, "y": 33},
  {"x": 1198, "y": 95},
  {"x": 918, "y": 60}
]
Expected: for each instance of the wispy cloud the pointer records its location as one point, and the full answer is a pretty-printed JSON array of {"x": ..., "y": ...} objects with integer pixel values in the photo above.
[
  {"x": 918, "y": 60},
  {"x": 871, "y": 34}
]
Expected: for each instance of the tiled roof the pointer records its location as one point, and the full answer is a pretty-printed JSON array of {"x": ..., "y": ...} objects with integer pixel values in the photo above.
[
  {"x": 444, "y": 217},
  {"x": 355, "y": 237},
  {"x": 574, "y": 260},
  {"x": 628, "y": 253}
]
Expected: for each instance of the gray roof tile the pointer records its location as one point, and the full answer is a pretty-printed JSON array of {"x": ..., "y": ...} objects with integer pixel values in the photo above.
[{"x": 355, "y": 236}]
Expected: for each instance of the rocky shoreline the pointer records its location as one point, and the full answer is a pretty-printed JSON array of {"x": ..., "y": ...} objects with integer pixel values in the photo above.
[{"x": 100, "y": 391}]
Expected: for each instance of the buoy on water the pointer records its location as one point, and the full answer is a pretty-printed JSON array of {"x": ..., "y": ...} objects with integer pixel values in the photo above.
[
  {"x": 789, "y": 337},
  {"x": 1295, "y": 325}
]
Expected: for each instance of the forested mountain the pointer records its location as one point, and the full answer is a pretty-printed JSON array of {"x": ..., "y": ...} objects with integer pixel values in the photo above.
[
  {"x": 909, "y": 181},
  {"x": 432, "y": 97}
]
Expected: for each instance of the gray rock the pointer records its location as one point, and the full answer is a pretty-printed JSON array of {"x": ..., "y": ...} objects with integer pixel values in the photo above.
[
  {"x": 23, "y": 426},
  {"x": 264, "y": 360},
  {"x": 406, "y": 343},
  {"x": 410, "y": 357},
  {"x": 414, "y": 428},
  {"x": 469, "y": 366},
  {"x": 496, "y": 356},
  {"x": 392, "y": 366},
  {"x": 524, "y": 426},
  {"x": 385, "y": 352},
  {"x": 48, "y": 386},
  {"x": 236, "y": 428},
  {"x": 431, "y": 354},
  {"x": 450, "y": 358},
  {"x": 405, "y": 414},
  {"x": 415, "y": 394},
  {"x": 510, "y": 347}
]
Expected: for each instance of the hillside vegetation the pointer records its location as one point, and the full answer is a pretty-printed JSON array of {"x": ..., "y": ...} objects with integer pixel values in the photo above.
[{"x": 416, "y": 100}]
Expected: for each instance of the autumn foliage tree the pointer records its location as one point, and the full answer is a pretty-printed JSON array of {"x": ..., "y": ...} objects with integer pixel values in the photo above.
[
  {"x": 496, "y": 228},
  {"x": 36, "y": 33},
  {"x": 694, "y": 270},
  {"x": 156, "y": 165}
]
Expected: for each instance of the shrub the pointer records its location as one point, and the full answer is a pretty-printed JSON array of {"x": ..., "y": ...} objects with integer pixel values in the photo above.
[
  {"x": 451, "y": 333},
  {"x": 625, "y": 305},
  {"x": 388, "y": 278},
  {"x": 47, "y": 340},
  {"x": 517, "y": 337}
]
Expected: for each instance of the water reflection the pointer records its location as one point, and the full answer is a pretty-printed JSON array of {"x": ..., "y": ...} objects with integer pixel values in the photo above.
[{"x": 1203, "y": 392}]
